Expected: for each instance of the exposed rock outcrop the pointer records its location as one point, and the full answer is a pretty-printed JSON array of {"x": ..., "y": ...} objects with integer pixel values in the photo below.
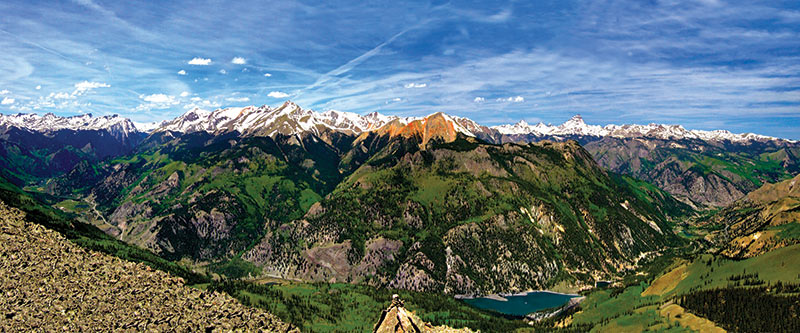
[{"x": 398, "y": 319}]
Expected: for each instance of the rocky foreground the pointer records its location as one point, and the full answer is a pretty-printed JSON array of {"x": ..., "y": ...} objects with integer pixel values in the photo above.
[
  {"x": 397, "y": 319},
  {"x": 48, "y": 283}
]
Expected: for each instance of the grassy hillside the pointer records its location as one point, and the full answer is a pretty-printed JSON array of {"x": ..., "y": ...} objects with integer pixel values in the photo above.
[
  {"x": 703, "y": 173},
  {"x": 28, "y": 157},
  {"x": 688, "y": 292},
  {"x": 766, "y": 219},
  {"x": 322, "y": 307},
  {"x": 210, "y": 197}
]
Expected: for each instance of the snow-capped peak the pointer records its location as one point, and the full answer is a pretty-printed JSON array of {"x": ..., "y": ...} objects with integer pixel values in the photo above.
[
  {"x": 147, "y": 127},
  {"x": 576, "y": 126},
  {"x": 52, "y": 122},
  {"x": 289, "y": 118},
  {"x": 521, "y": 127}
]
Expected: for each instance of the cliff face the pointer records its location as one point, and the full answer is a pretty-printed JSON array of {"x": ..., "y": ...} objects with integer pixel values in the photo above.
[{"x": 49, "y": 283}]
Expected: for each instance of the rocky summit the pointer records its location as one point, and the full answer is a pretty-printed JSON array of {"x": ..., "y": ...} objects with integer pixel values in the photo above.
[{"x": 48, "y": 283}]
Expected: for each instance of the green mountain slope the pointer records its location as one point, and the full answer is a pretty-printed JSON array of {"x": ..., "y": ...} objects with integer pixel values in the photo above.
[
  {"x": 701, "y": 173},
  {"x": 766, "y": 219},
  {"x": 704, "y": 293},
  {"x": 412, "y": 206},
  {"x": 470, "y": 217},
  {"x": 208, "y": 197},
  {"x": 30, "y": 157}
]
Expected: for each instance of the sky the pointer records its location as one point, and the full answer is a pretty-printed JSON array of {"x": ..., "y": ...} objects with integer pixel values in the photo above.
[{"x": 706, "y": 64}]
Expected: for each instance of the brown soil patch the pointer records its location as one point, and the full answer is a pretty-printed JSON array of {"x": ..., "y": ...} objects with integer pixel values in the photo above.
[
  {"x": 667, "y": 281},
  {"x": 674, "y": 312}
]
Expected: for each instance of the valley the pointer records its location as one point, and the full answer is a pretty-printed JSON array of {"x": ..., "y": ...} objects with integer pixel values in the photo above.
[
  {"x": 400, "y": 166},
  {"x": 318, "y": 218}
]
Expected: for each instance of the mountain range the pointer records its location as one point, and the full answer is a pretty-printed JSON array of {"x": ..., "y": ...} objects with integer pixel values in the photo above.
[
  {"x": 437, "y": 204},
  {"x": 35, "y": 148},
  {"x": 700, "y": 168},
  {"x": 289, "y": 118}
]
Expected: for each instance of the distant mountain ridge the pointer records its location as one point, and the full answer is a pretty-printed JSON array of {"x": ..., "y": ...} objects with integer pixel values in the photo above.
[
  {"x": 576, "y": 126},
  {"x": 702, "y": 168},
  {"x": 289, "y": 118},
  {"x": 264, "y": 120},
  {"x": 119, "y": 127},
  {"x": 35, "y": 148}
]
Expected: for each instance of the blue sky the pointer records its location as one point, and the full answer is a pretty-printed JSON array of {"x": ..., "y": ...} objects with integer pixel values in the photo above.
[{"x": 707, "y": 64}]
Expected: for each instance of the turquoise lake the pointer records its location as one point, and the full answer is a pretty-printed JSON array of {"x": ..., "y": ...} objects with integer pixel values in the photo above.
[{"x": 523, "y": 304}]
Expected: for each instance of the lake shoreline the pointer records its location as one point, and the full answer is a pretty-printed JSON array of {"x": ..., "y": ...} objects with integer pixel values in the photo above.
[
  {"x": 520, "y": 304},
  {"x": 502, "y": 296}
]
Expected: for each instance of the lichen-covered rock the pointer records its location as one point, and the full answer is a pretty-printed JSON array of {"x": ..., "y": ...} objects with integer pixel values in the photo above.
[{"x": 48, "y": 283}]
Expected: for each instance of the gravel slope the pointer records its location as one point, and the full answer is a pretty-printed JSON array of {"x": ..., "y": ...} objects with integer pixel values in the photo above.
[{"x": 48, "y": 283}]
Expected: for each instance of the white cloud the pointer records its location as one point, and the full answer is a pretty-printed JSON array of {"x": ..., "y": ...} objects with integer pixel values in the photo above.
[
  {"x": 181, "y": 72},
  {"x": 397, "y": 99},
  {"x": 82, "y": 87},
  {"x": 201, "y": 103},
  {"x": 278, "y": 94},
  {"x": 265, "y": 74},
  {"x": 39, "y": 87},
  {"x": 4, "y": 92},
  {"x": 239, "y": 61},
  {"x": 237, "y": 99},
  {"x": 7, "y": 101},
  {"x": 60, "y": 95},
  {"x": 184, "y": 94},
  {"x": 416, "y": 85},
  {"x": 517, "y": 99},
  {"x": 158, "y": 98},
  {"x": 223, "y": 72},
  {"x": 157, "y": 101},
  {"x": 479, "y": 100},
  {"x": 197, "y": 61}
]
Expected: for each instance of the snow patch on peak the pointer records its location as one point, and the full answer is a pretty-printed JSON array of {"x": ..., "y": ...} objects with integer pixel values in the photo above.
[
  {"x": 52, "y": 122},
  {"x": 576, "y": 126}
]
